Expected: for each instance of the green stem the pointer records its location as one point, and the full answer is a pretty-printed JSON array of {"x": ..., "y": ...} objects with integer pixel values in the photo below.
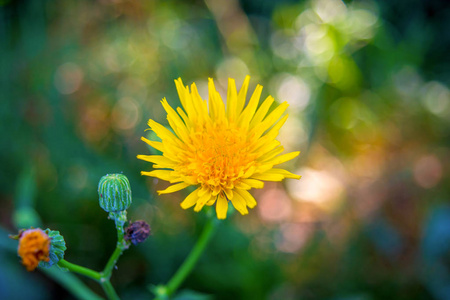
[
  {"x": 192, "y": 259},
  {"x": 109, "y": 290},
  {"x": 104, "y": 277},
  {"x": 68, "y": 280},
  {"x": 80, "y": 270},
  {"x": 106, "y": 273},
  {"x": 119, "y": 219}
]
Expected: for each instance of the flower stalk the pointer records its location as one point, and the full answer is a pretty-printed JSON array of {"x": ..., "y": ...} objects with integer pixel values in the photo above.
[
  {"x": 119, "y": 219},
  {"x": 72, "y": 283},
  {"x": 103, "y": 278},
  {"x": 80, "y": 270},
  {"x": 114, "y": 197},
  {"x": 164, "y": 292}
]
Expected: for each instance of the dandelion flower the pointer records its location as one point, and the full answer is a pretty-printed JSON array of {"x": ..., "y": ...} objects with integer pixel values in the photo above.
[
  {"x": 34, "y": 247},
  {"x": 223, "y": 152}
]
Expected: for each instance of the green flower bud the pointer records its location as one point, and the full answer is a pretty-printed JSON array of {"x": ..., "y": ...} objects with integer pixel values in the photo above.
[
  {"x": 114, "y": 192},
  {"x": 57, "y": 248}
]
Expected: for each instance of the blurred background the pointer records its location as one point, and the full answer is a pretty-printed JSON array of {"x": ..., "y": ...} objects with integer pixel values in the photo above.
[{"x": 368, "y": 88}]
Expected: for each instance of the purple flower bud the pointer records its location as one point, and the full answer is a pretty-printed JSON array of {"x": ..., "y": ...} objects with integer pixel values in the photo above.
[{"x": 137, "y": 232}]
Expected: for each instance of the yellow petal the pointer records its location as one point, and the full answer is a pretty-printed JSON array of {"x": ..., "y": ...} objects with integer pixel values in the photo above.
[
  {"x": 157, "y": 145},
  {"x": 274, "y": 130},
  {"x": 190, "y": 200},
  {"x": 199, "y": 105},
  {"x": 183, "y": 94},
  {"x": 216, "y": 190},
  {"x": 242, "y": 95},
  {"x": 231, "y": 100},
  {"x": 262, "y": 111},
  {"x": 266, "y": 158},
  {"x": 243, "y": 186},
  {"x": 202, "y": 201},
  {"x": 185, "y": 118},
  {"x": 217, "y": 108},
  {"x": 265, "y": 141},
  {"x": 273, "y": 117},
  {"x": 263, "y": 168},
  {"x": 268, "y": 176},
  {"x": 162, "y": 174},
  {"x": 157, "y": 159},
  {"x": 262, "y": 143},
  {"x": 211, "y": 201},
  {"x": 251, "y": 202},
  {"x": 203, "y": 191},
  {"x": 163, "y": 133},
  {"x": 275, "y": 175},
  {"x": 287, "y": 174},
  {"x": 282, "y": 158},
  {"x": 249, "y": 172},
  {"x": 174, "y": 188},
  {"x": 257, "y": 184},
  {"x": 239, "y": 203},
  {"x": 221, "y": 207},
  {"x": 175, "y": 121},
  {"x": 228, "y": 193},
  {"x": 249, "y": 110},
  {"x": 171, "y": 113}
]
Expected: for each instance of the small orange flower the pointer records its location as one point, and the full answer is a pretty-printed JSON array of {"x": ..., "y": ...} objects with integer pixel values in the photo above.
[{"x": 34, "y": 246}]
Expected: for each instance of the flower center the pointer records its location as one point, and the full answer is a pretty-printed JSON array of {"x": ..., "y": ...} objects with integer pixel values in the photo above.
[
  {"x": 34, "y": 246},
  {"x": 218, "y": 156}
]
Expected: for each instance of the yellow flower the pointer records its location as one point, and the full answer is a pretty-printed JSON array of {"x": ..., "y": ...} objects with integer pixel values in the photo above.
[
  {"x": 34, "y": 246},
  {"x": 224, "y": 152}
]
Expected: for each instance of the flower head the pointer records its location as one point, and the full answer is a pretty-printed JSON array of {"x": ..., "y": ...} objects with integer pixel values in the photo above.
[
  {"x": 34, "y": 247},
  {"x": 224, "y": 152}
]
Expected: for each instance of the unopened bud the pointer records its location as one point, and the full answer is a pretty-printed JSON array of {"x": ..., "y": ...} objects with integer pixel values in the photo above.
[
  {"x": 137, "y": 232},
  {"x": 114, "y": 192}
]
